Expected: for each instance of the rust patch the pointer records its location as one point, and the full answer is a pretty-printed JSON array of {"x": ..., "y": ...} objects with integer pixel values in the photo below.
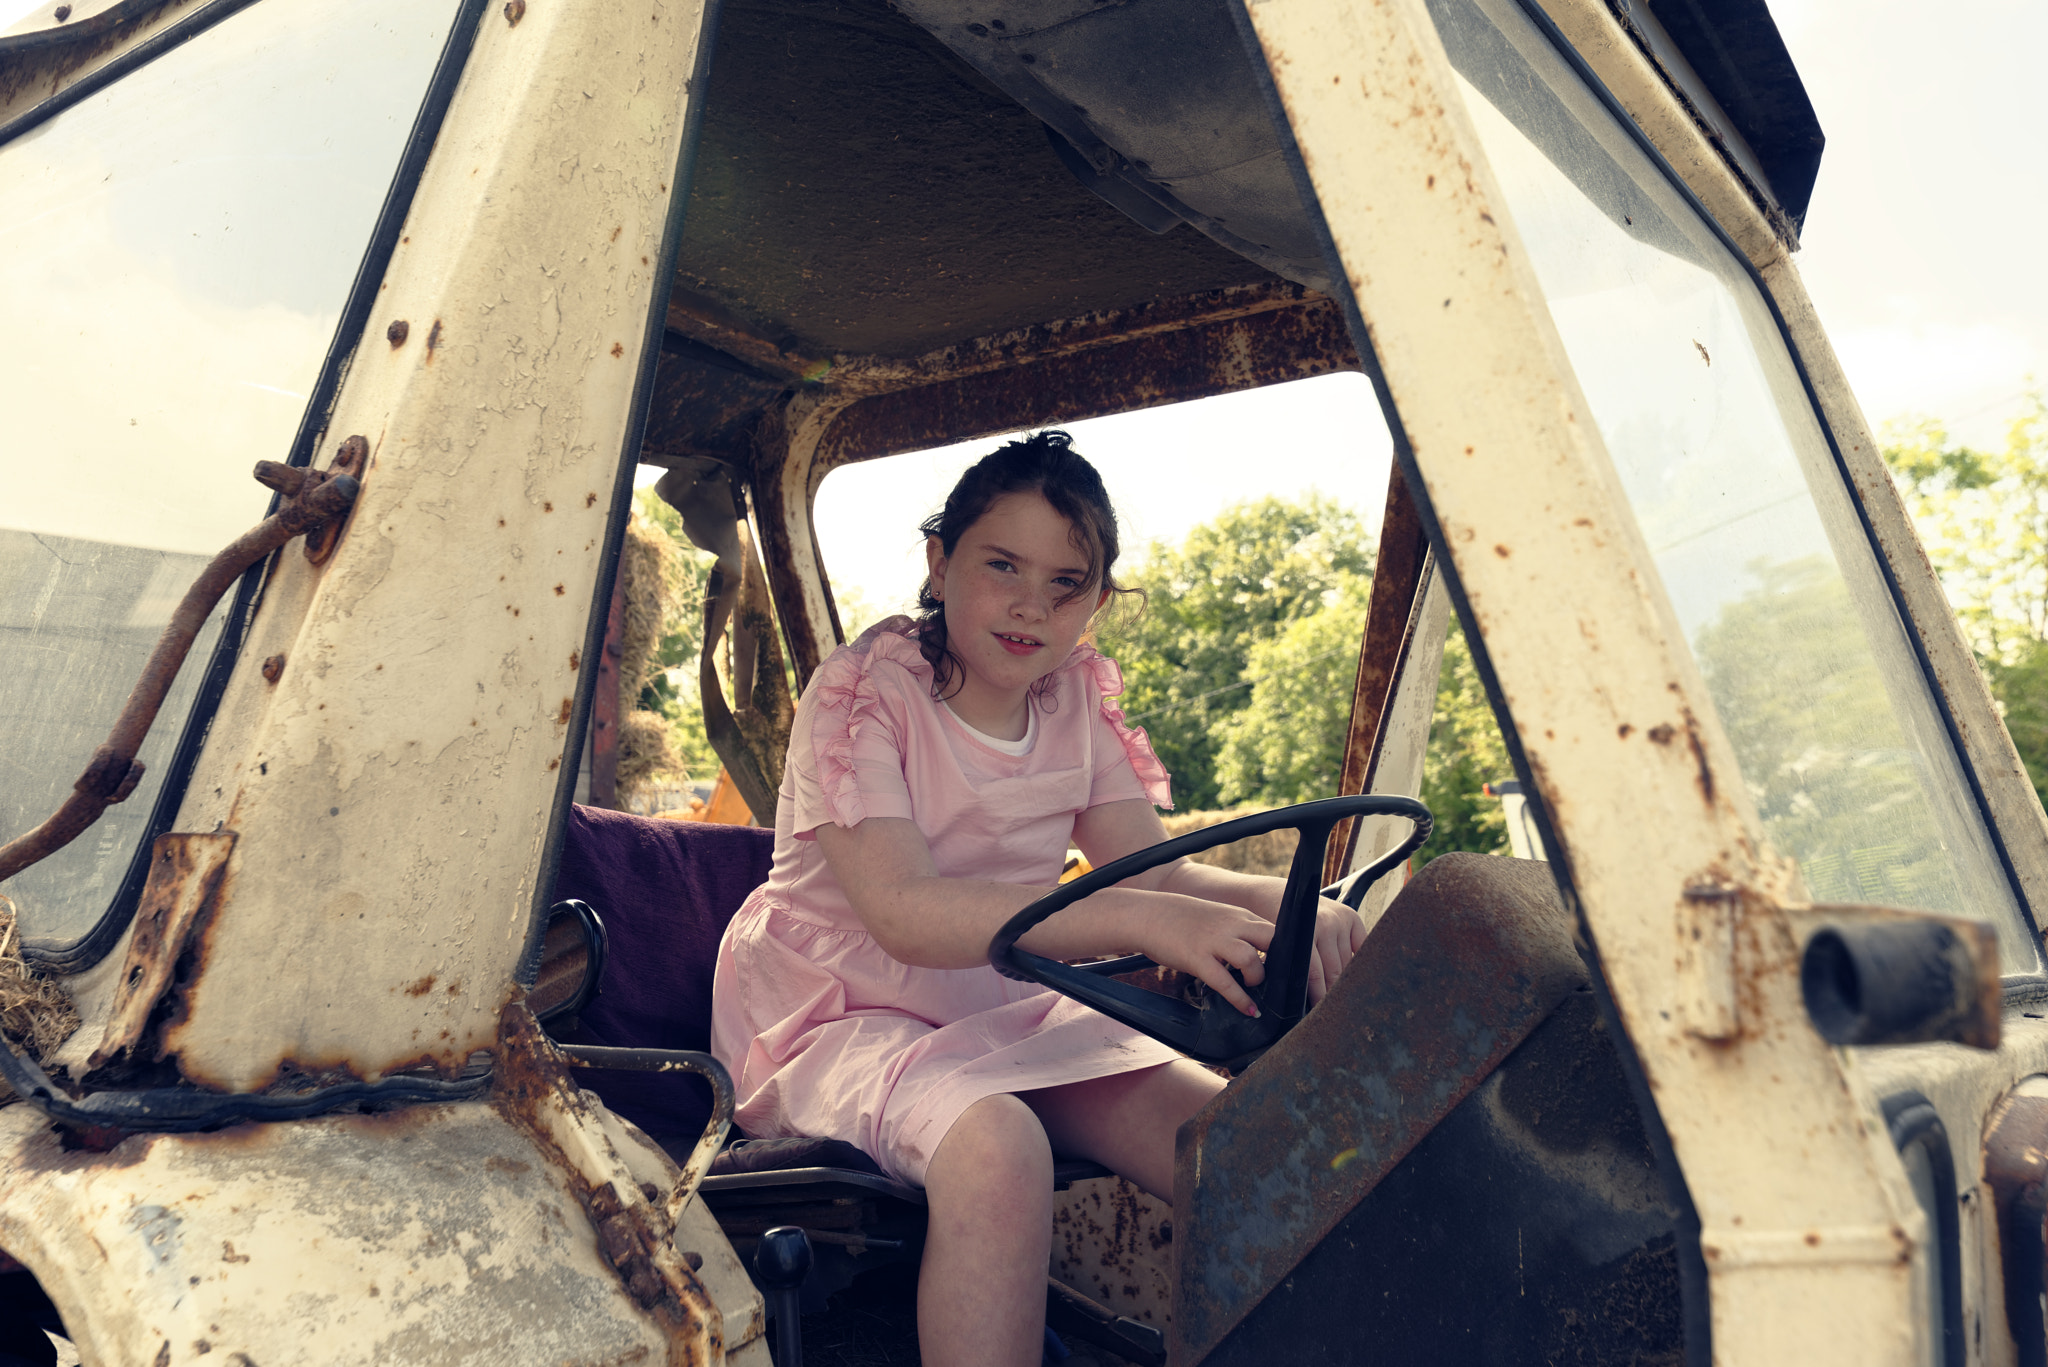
[
  {"x": 515, "y": 10},
  {"x": 635, "y": 1237},
  {"x": 1663, "y": 733},
  {"x": 397, "y": 333},
  {"x": 575, "y": 660},
  {"x": 178, "y": 898},
  {"x": 421, "y": 987},
  {"x": 1705, "y": 774},
  {"x": 590, "y": 500},
  {"x": 228, "y": 1254},
  {"x": 562, "y": 716},
  {"x": 618, "y": 348},
  {"x": 351, "y": 458},
  {"x": 560, "y": 590},
  {"x": 273, "y": 669},
  {"x": 433, "y": 340},
  {"x": 1624, "y": 730},
  {"x": 1502, "y": 551}
]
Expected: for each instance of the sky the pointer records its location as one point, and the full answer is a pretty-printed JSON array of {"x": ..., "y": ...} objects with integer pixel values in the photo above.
[{"x": 1920, "y": 252}]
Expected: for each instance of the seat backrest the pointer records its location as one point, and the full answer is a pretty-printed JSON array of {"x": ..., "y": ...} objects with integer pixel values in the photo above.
[{"x": 665, "y": 891}]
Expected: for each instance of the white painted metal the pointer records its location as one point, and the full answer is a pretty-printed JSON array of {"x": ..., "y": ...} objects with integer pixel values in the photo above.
[
  {"x": 440, "y": 1234},
  {"x": 1810, "y": 1234},
  {"x": 393, "y": 787}
]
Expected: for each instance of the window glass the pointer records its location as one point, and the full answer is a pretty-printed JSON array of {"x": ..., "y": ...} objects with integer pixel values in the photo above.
[
  {"x": 175, "y": 252},
  {"x": 1769, "y": 569}
]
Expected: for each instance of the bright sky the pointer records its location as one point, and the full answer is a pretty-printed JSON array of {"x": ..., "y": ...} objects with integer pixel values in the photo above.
[{"x": 1920, "y": 252}]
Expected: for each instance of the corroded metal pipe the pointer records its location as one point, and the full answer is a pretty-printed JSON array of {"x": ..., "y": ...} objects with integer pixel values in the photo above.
[
  {"x": 114, "y": 771},
  {"x": 671, "y": 1061}
]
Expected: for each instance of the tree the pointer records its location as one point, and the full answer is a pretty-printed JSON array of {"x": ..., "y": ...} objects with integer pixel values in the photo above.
[
  {"x": 1984, "y": 520},
  {"x": 1466, "y": 752},
  {"x": 1242, "y": 662},
  {"x": 671, "y": 690},
  {"x": 1286, "y": 744},
  {"x": 1235, "y": 582}
]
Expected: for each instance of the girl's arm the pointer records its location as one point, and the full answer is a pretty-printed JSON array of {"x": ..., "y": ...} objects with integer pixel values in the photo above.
[
  {"x": 928, "y": 921},
  {"x": 1115, "y": 829}
]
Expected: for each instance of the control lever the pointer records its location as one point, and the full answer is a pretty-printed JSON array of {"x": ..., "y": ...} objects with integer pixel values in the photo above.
[{"x": 781, "y": 1262}]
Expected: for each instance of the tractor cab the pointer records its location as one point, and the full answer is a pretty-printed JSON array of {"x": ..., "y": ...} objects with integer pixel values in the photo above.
[{"x": 349, "y": 1023}]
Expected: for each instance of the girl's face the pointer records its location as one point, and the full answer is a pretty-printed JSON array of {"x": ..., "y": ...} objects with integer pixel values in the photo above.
[{"x": 1001, "y": 590}]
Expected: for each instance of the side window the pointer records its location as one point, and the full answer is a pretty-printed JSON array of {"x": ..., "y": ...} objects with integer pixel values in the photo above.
[
  {"x": 1775, "y": 585},
  {"x": 175, "y": 253}
]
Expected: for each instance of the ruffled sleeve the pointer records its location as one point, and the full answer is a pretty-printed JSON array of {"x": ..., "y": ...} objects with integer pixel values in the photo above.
[
  {"x": 855, "y": 743},
  {"x": 1134, "y": 747}
]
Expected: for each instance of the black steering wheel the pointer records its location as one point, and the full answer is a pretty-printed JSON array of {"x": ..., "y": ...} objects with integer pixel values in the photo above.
[{"x": 1216, "y": 1031}]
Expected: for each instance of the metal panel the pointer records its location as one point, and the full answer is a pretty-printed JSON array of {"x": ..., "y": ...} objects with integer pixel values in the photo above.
[
  {"x": 1809, "y": 1233},
  {"x": 408, "y": 756}
]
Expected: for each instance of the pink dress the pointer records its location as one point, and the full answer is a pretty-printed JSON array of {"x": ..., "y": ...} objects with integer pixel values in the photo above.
[{"x": 827, "y": 1035}]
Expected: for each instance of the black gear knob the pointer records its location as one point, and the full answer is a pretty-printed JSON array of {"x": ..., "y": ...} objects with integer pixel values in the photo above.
[
  {"x": 783, "y": 1259},
  {"x": 781, "y": 1262}
]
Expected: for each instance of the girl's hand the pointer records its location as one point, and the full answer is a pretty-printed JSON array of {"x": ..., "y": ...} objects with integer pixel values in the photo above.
[
  {"x": 1208, "y": 939},
  {"x": 1339, "y": 933}
]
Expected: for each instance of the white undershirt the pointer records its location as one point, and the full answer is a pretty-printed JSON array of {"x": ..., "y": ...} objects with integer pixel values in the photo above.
[{"x": 1008, "y": 747}]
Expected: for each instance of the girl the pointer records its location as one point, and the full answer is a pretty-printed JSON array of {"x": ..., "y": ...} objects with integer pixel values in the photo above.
[{"x": 937, "y": 771}]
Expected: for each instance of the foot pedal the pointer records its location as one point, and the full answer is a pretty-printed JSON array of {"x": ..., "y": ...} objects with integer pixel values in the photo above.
[{"x": 1074, "y": 1315}]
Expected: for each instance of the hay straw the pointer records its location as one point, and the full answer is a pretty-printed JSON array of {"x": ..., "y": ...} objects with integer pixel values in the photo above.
[
  {"x": 1270, "y": 854},
  {"x": 653, "y": 586},
  {"x": 34, "y": 1011}
]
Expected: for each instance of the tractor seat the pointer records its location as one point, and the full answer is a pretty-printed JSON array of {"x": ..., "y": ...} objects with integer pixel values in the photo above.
[{"x": 662, "y": 892}]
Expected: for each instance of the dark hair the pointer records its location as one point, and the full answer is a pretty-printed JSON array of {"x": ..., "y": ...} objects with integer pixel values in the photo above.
[{"x": 1044, "y": 463}]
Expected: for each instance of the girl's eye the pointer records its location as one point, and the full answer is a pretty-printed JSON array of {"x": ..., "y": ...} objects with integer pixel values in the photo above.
[
  {"x": 1066, "y": 581},
  {"x": 1002, "y": 565}
]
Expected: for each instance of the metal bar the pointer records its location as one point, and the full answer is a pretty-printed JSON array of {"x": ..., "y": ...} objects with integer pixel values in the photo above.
[
  {"x": 114, "y": 772},
  {"x": 671, "y": 1061},
  {"x": 1396, "y": 580}
]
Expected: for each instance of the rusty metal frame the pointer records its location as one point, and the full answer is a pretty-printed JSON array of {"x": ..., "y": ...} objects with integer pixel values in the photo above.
[
  {"x": 1397, "y": 581},
  {"x": 1808, "y": 1257},
  {"x": 851, "y": 409}
]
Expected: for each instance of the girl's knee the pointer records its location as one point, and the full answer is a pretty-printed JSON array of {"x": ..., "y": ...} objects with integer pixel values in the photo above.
[{"x": 997, "y": 1140}]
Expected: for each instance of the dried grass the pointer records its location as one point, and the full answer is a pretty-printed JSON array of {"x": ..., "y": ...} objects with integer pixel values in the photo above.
[
  {"x": 652, "y": 584},
  {"x": 1268, "y": 854},
  {"x": 34, "y": 1011}
]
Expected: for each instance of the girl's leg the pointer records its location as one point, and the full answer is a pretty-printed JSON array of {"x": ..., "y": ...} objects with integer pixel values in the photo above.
[
  {"x": 981, "y": 1290},
  {"x": 1126, "y": 1122}
]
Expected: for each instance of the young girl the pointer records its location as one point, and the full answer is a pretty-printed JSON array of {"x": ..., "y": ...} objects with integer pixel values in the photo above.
[{"x": 937, "y": 772}]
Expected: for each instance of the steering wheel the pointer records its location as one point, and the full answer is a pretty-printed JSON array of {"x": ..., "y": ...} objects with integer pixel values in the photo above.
[{"x": 1216, "y": 1031}]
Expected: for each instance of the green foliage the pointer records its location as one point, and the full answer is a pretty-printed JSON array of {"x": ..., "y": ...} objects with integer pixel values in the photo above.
[
  {"x": 1242, "y": 664},
  {"x": 1234, "y": 583},
  {"x": 1806, "y": 709},
  {"x": 1984, "y": 520},
  {"x": 672, "y": 689},
  {"x": 1286, "y": 744},
  {"x": 1466, "y": 752}
]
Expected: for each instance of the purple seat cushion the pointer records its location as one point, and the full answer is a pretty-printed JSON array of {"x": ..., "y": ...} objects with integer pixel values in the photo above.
[{"x": 664, "y": 890}]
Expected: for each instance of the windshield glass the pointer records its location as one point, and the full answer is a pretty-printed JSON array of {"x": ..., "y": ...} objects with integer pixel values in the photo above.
[
  {"x": 1763, "y": 556},
  {"x": 175, "y": 252}
]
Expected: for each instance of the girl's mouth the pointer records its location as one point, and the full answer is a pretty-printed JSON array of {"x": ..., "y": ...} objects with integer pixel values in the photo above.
[{"x": 1019, "y": 645}]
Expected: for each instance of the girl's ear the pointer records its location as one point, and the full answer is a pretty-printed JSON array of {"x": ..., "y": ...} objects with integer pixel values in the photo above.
[{"x": 935, "y": 566}]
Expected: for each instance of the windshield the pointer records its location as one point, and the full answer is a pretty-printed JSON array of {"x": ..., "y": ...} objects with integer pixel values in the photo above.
[
  {"x": 175, "y": 252},
  {"x": 1762, "y": 553}
]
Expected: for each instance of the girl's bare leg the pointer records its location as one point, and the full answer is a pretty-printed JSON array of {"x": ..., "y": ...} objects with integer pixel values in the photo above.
[
  {"x": 981, "y": 1290},
  {"x": 1127, "y": 1122}
]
